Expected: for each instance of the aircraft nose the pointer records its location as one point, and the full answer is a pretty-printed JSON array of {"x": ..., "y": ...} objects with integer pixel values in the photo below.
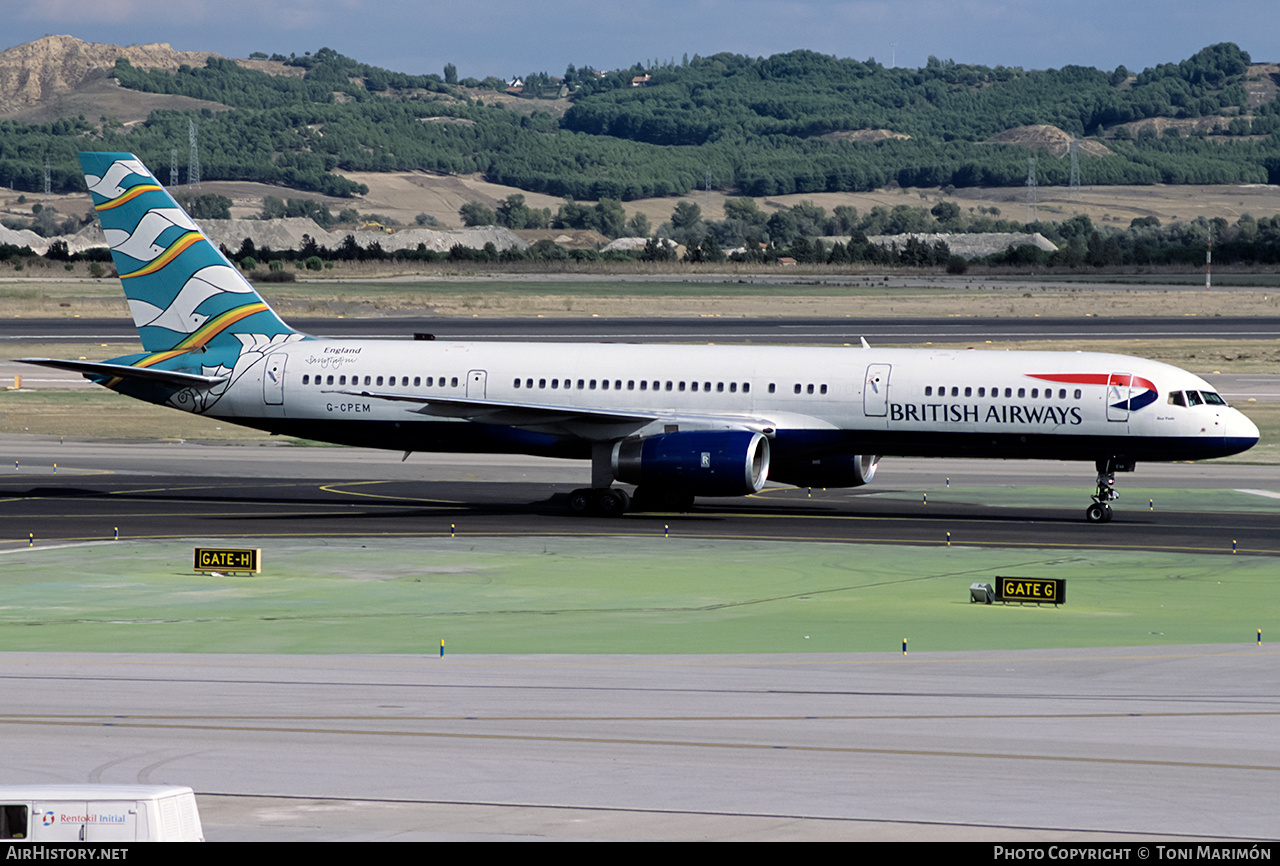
[{"x": 1240, "y": 430}]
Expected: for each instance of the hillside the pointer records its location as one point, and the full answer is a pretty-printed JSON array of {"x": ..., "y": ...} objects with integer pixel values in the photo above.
[
  {"x": 41, "y": 72},
  {"x": 793, "y": 124}
]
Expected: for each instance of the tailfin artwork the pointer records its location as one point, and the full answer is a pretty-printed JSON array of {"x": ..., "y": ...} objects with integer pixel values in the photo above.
[{"x": 182, "y": 291}]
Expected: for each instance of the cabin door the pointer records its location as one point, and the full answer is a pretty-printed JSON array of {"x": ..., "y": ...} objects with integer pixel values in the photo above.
[
  {"x": 1118, "y": 386},
  {"x": 273, "y": 379},
  {"x": 875, "y": 391},
  {"x": 476, "y": 384}
]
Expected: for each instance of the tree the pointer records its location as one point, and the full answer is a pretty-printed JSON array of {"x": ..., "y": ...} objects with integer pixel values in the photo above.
[
  {"x": 686, "y": 215},
  {"x": 475, "y": 214},
  {"x": 638, "y": 226},
  {"x": 450, "y": 74},
  {"x": 686, "y": 224},
  {"x": 946, "y": 212}
]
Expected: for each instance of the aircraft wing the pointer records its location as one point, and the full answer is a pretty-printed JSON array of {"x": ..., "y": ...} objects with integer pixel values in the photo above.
[
  {"x": 579, "y": 421},
  {"x": 124, "y": 371}
]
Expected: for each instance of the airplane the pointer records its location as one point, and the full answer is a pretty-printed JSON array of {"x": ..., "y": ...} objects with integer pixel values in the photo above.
[{"x": 676, "y": 421}]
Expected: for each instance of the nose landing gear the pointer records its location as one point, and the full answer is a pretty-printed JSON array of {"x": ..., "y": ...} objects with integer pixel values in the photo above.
[{"x": 1100, "y": 510}]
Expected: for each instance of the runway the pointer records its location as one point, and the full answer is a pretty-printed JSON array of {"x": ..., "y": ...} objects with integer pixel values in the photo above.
[
  {"x": 1172, "y": 743},
  {"x": 181, "y": 491},
  {"x": 1090, "y": 745},
  {"x": 1097, "y": 745}
]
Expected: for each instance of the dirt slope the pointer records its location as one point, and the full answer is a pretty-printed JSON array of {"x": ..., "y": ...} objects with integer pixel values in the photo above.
[{"x": 40, "y": 71}]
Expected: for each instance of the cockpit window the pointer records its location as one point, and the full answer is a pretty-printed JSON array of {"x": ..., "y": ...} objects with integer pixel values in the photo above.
[
  {"x": 1176, "y": 399},
  {"x": 1193, "y": 398},
  {"x": 1212, "y": 398}
]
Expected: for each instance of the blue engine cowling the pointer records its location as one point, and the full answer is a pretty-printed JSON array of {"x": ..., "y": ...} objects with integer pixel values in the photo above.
[{"x": 699, "y": 462}]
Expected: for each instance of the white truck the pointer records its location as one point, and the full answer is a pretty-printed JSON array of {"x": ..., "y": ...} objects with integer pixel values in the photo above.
[{"x": 99, "y": 813}]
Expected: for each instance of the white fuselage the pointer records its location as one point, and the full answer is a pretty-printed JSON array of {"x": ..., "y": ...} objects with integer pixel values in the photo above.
[{"x": 921, "y": 402}]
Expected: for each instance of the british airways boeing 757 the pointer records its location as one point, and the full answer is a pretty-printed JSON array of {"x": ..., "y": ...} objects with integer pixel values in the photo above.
[{"x": 676, "y": 421}]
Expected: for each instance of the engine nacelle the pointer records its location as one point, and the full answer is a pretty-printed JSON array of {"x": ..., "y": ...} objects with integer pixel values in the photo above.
[
  {"x": 699, "y": 462},
  {"x": 832, "y": 470}
]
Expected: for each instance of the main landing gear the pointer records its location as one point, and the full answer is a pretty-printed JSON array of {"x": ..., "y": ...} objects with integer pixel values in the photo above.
[
  {"x": 601, "y": 502},
  {"x": 1100, "y": 510},
  {"x": 600, "y": 499},
  {"x": 612, "y": 502}
]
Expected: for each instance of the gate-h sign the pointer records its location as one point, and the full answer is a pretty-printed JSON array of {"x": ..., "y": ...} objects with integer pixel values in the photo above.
[
  {"x": 1037, "y": 590},
  {"x": 248, "y": 559}
]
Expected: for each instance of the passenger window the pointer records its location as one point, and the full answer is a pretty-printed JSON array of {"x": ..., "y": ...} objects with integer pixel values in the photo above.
[
  {"x": 982, "y": 392},
  {"x": 542, "y": 383},
  {"x": 733, "y": 387},
  {"x": 1077, "y": 393},
  {"x": 719, "y": 387},
  {"x": 1035, "y": 392},
  {"x": 516, "y": 384},
  {"x": 379, "y": 381},
  {"x": 823, "y": 389},
  {"x": 968, "y": 392},
  {"x": 330, "y": 380},
  {"x": 928, "y": 390},
  {"x": 771, "y": 388},
  {"x": 746, "y": 386},
  {"x": 644, "y": 384},
  {"x": 342, "y": 380},
  {"x": 797, "y": 387},
  {"x": 809, "y": 389},
  {"x": 1022, "y": 392}
]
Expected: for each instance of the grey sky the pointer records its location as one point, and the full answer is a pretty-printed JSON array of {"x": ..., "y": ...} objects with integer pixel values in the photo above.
[{"x": 503, "y": 37}]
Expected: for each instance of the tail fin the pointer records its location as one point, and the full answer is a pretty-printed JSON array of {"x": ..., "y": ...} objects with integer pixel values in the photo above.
[{"x": 182, "y": 291}]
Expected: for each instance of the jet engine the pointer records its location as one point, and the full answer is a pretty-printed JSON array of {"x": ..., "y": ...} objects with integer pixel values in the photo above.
[
  {"x": 699, "y": 462},
  {"x": 830, "y": 470}
]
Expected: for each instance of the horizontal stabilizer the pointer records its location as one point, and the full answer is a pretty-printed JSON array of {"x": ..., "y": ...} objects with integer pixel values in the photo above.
[{"x": 124, "y": 371}]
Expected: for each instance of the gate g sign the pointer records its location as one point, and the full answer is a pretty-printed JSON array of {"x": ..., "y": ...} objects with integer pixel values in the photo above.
[{"x": 1037, "y": 590}]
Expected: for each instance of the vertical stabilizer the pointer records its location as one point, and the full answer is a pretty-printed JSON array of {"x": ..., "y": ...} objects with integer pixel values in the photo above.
[{"x": 182, "y": 291}]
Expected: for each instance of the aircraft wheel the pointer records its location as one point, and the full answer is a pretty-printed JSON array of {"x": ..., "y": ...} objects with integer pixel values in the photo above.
[
  {"x": 612, "y": 503},
  {"x": 581, "y": 502},
  {"x": 1097, "y": 513}
]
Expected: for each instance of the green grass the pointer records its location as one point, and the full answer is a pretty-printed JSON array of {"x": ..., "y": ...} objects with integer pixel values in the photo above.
[{"x": 626, "y": 595}]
